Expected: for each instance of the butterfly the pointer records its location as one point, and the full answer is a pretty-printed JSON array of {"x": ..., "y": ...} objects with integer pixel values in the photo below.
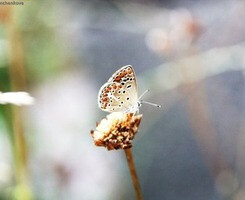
[{"x": 120, "y": 93}]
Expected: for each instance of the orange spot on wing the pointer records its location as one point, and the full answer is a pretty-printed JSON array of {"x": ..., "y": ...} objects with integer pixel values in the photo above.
[
  {"x": 105, "y": 99},
  {"x": 118, "y": 78}
]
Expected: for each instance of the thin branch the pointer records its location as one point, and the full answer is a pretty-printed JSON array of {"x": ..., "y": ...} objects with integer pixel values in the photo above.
[{"x": 133, "y": 173}]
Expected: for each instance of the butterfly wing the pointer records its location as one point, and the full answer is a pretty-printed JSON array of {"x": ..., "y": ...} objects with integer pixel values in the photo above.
[
  {"x": 119, "y": 94},
  {"x": 121, "y": 73}
]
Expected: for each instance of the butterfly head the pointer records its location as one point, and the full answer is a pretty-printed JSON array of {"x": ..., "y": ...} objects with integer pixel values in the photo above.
[
  {"x": 134, "y": 108},
  {"x": 139, "y": 104}
]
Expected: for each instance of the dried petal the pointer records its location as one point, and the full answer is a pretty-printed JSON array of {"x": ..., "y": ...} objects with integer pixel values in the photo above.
[{"x": 117, "y": 130}]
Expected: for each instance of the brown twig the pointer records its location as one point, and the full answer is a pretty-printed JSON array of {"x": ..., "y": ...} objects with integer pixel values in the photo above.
[{"x": 133, "y": 173}]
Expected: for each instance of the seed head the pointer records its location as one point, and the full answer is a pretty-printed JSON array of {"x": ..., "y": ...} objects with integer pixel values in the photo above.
[{"x": 116, "y": 131}]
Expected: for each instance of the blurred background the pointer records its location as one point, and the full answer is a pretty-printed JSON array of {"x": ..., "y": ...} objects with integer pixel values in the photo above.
[{"x": 191, "y": 54}]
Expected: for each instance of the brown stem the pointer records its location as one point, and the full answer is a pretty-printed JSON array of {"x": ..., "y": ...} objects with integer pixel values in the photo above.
[
  {"x": 18, "y": 83},
  {"x": 133, "y": 173}
]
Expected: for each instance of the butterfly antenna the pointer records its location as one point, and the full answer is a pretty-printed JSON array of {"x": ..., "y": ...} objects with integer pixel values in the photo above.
[
  {"x": 153, "y": 104},
  {"x": 144, "y": 93}
]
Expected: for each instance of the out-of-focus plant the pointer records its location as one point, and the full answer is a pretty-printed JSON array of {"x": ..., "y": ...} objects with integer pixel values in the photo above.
[
  {"x": 174, "y": 41},
  {"x": 30, "y": 51},
  {"x": 45, "y": 53},
  {"x": 16, "y": 98},
  {"x": 14, "y": 78}
]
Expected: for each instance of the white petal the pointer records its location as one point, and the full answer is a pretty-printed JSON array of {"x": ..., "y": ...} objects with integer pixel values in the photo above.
[{"x": 16, "y": 98}]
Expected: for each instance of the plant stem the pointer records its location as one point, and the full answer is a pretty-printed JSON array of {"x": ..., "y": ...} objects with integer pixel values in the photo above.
[
  {"x": 133, "y": 173},
  {"x": 18, "y": 83}
]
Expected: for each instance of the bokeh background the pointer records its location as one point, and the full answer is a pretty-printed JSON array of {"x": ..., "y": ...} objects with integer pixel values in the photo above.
[{"x": 191, "y": 54}]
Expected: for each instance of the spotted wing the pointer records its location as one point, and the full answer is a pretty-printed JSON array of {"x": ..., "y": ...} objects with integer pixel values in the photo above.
[
  {"x": 119, "y": 94},
  {"x": 123, "y": 73}
]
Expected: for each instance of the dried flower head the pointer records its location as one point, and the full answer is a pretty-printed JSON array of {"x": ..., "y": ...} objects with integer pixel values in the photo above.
[{"x": 117, "y": 130}]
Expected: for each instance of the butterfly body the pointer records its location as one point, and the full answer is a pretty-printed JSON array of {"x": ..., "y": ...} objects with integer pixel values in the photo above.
[{"x": 120, "y": 93}]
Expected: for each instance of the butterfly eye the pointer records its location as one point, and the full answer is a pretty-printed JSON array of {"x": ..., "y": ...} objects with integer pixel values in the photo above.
[
  {"x": 127, "y": 98},
  {"x": 123, "y": 91}
]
